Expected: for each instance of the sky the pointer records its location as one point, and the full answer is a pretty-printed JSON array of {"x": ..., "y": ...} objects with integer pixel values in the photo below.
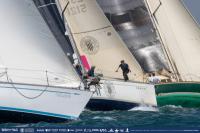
[{"x": 194, "y": 8}]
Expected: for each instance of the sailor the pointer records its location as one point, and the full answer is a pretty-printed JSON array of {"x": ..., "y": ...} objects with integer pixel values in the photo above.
[
  {"x": 79, "y": 69},
  {"x": 91, "y": 71},
  {"x": 77, "y": 65},
  {"x": 93, "y": 80},
  {"x": 125, "y": 69},
  {"x": 155, "y": 79},
  {"x": 150, "y": 78}
]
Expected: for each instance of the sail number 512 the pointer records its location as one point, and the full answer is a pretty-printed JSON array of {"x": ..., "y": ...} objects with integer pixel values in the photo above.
[{"x": 77, "y": 7}]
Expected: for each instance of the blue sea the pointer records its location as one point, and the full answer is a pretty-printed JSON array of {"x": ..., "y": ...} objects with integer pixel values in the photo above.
[{"x": 140, "y": 117}]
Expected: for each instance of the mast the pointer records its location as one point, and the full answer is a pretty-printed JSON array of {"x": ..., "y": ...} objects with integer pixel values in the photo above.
[{"x": 166, "y": 52}]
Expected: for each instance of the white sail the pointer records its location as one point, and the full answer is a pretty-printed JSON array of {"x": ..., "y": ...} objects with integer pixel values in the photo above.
[
  {"x": 28, "y": 49},
  {"x": 96, "y": 39},
  {"x": 132, "y": 22},
  {"x": 180, "y": 35},
  {"x": 36, "y": 77}
]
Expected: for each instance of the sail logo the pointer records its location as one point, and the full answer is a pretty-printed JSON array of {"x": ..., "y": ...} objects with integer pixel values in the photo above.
[{"x": 89, "y": 45}]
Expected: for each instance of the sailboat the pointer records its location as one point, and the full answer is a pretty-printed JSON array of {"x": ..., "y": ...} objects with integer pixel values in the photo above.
[
  {"x": 99, "y": 45},
  {"x": 37, "y": 81},
  {"x": 180, "y": 36}
]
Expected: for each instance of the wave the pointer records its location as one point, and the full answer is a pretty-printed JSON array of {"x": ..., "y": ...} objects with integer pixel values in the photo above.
[
  {"x": 145, "y": 108},
  {"x": 103, "y": 118},
  {"x": 172, "y": 106}
]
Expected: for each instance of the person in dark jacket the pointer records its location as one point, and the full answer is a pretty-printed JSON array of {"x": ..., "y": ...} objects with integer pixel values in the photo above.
[
  {"x": 79, "y": 70},
  {"x": 94, "y": 80},
  {"x": 91, "y": 71},
  {"x": 125, "y": 70}
]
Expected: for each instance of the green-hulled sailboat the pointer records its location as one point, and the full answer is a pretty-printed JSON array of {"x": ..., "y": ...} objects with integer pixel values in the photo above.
[{"x": 180, "y": 36}]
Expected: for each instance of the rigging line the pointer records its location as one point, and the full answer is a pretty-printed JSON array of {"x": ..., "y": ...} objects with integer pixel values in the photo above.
[
  {"x": 47, "y": 78},
  {"x": 64, "y": 11},
  {"x": 61, "y": 76},
  {"x": 11, "y": 82},
  {"x": 31, "y": 70},
  {"x": 45, "y": 5},
  {"x": 93, "y": 30},
  {"x": 20, "y": 69}
]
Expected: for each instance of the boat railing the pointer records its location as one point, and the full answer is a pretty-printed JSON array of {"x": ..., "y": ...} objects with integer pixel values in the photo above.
[
  {"x": 38, "y": 77},
  {"x": 100, "y": 72}
]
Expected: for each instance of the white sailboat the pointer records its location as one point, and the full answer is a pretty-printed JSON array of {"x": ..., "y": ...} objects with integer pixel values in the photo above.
[
  {"x": 37, "y": 81},
  {"x": 180, "y": 35},
  {"x": 99, "y": 45}
]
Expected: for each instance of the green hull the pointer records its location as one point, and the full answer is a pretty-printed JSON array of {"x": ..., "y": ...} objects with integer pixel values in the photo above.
[{"x": 178, "y": 94}]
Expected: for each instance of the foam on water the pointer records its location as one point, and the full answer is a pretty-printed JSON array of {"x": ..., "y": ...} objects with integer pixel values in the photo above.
[
  {"x": 104, "y": 118},
  {"x": 22, "y": 125},
  {"x": 145, "y": 108},
  {"x": 172, "y": 106}
]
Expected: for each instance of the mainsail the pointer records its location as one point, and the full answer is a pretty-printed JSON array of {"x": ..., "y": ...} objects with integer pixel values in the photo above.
[
  {"x": 180, "y": 35},
  {"x": 29, "y": 52},
  {"x": 96, "y": 39}
]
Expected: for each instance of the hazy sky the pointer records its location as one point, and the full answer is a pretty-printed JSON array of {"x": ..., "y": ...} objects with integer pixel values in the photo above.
[{"x": 194, "y": 7}]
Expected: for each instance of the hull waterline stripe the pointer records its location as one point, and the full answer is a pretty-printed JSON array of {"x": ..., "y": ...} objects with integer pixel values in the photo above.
[{"x": 38, "y": 112}]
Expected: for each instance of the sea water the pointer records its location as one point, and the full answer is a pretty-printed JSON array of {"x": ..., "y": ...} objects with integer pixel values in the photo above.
[{"x": 139, "y": 117}]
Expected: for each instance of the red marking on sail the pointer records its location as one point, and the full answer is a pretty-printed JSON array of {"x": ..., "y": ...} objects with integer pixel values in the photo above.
[{"x": 85, "y": 62}]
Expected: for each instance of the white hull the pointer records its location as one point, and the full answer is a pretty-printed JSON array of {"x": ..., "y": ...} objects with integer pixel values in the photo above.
[
  {"x": 57, "y": 102},
  {"x": 132, "y": 93}
]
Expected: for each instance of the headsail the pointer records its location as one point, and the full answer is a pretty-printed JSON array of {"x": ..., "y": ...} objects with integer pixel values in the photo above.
[
  {"x": 96, "y": 39},
  {"x": 28, "y": 50},
  {"x": 180, "y": 35},
  {"x": 51, "y": 15},
  {"x": 132, "y": 21}
]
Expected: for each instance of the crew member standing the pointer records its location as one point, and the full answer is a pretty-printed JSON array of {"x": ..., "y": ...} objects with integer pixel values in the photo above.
[{"x": 125, "y": 69}]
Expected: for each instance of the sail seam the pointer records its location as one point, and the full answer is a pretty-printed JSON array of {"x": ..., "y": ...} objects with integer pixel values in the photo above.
[{"x": 92, "y": 30}]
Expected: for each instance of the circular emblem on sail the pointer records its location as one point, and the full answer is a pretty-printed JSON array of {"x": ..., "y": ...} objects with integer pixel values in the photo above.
[
  {"x": 89, "y": 45},
  {"x": 109, "y": 89}
]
